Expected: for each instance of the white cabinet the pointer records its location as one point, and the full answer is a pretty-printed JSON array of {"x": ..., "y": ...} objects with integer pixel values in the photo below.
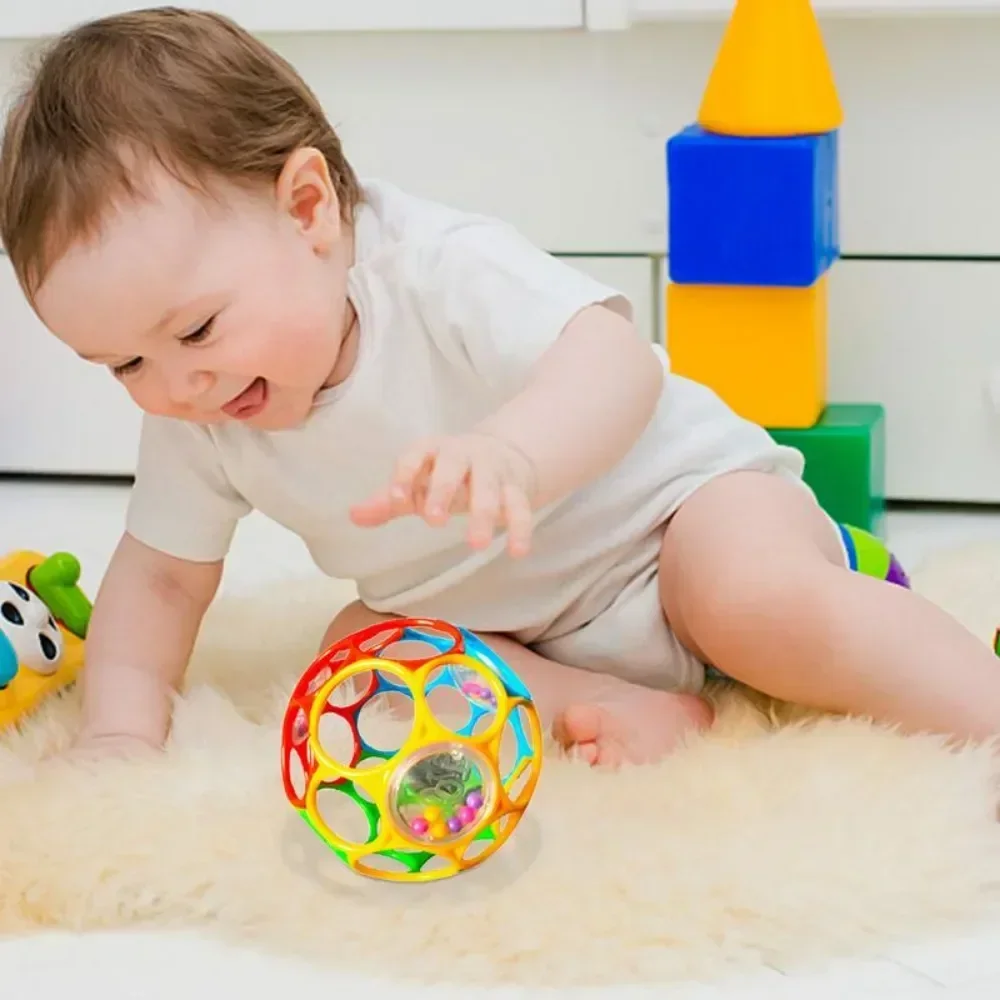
[
  {"x": 58, "y": 414},
  {"x": 635, "y": 277},
  {"x": 28, "y": 20},
  {"x": 924, "y": 340}
]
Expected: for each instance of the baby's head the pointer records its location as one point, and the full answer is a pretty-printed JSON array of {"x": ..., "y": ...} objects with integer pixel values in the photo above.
[{"x": 177, "y": 207}]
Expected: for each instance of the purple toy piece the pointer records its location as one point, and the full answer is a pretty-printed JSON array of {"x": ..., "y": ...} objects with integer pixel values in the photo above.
[{"x": 897, "y": 574}]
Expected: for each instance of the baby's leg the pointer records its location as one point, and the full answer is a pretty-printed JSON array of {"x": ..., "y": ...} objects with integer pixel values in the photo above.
[
  {"x": 752, "y": 580},
  {"x": 606, "y": 719}
]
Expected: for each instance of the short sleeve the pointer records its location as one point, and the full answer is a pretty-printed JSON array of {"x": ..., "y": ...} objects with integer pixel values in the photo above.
[
  {"x": 182, "y": 502},
  {"x": 499, "y": 302}
]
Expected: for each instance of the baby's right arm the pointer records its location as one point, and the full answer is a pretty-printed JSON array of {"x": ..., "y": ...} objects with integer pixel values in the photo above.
[{"x": 146, "y": 618}]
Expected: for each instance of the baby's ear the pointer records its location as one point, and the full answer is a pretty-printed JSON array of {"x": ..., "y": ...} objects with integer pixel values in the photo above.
[{"x": 306, "y": 192}]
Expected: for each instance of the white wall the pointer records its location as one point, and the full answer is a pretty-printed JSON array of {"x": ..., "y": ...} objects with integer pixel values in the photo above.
[{"x": 562, "y": 133}]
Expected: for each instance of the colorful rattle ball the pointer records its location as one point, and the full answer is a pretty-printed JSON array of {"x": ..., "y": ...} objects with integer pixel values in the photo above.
[
  {"x": 868, "y": 555},
  {"x": 449, "y": 792}
]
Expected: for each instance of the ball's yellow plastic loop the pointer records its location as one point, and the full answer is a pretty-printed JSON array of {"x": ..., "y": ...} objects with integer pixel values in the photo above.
[
  {"x": 502, "y": 699},
  {"x": 331, "y": 767}
]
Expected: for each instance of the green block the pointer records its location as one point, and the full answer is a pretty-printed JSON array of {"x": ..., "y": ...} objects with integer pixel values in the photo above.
[{"x": 845, "y": 462}]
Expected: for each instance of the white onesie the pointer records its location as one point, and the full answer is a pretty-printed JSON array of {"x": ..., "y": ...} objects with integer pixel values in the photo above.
[{"x": 454, "y": 310}]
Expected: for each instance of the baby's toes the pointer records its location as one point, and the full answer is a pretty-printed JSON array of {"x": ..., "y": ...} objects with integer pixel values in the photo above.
[{"x": 585, "y": 731}]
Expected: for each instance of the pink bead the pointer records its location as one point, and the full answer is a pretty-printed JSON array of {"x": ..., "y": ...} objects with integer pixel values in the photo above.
[
  {"x": 419, "y": 826},
  {"x": 474, "y": 801},
  {"x": 465, "y": 815}
]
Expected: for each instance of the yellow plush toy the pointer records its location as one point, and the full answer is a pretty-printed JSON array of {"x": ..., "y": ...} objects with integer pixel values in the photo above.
[{"x": 44, "y": 617}]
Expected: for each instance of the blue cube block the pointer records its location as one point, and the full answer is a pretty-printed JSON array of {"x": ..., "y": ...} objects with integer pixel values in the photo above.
[{"x": 752, "y": 211}]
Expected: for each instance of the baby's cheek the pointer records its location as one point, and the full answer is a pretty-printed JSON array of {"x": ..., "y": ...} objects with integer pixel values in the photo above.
[
  {"x": 297, "y": 329},
  {"x": 310, "y": 344},
  {"x": 149, "y": 400}
]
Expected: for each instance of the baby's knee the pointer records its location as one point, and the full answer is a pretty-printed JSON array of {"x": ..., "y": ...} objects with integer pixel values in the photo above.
[
  {"x": 746, "y": 552},
  {"x": 747, "y": 600},
  {"x": 351, "y": 618}
]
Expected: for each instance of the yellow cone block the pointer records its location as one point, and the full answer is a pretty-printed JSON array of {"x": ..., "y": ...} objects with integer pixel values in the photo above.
[
  {"x": 772, "y": 76},
  {"x": 762, "y": 349}
]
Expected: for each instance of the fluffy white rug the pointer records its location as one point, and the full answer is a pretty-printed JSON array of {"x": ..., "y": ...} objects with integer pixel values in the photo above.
[{"x": 760, "y": 844}]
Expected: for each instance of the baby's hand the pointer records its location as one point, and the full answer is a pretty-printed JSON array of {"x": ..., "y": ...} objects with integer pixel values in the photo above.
[{"x": 474, "y": 474}]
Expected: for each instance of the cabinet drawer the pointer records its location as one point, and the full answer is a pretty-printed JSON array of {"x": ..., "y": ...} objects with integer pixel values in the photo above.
[
  {"x": 632, "y": 276},
  {"x": 59, "y": 414},
  {"x": 30, "y": 20},
  {"x": 924, "y": 340}
]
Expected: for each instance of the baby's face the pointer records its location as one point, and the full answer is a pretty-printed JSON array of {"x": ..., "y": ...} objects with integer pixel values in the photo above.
[{"x": 209, "y": 312}]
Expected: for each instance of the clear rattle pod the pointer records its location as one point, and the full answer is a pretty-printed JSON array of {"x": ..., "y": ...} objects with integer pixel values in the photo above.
[{"x": 443, "y": 795}]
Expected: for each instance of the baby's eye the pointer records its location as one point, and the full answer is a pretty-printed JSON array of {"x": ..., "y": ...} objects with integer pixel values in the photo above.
[
  {"x": 128, "y": 368},
  {"x": 200, "y": 334}
]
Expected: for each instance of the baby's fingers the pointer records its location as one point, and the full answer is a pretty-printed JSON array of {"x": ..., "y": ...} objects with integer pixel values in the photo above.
[
  {"x": 484, "y": 505},
  {"x": 451, "y": 467},
  {"x": 411, "y": 466},
  {"x": 519, "y": 520}
]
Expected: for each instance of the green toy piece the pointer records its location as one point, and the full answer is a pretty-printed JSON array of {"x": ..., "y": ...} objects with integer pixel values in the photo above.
[
  {"x": 56, "y": 581},
  {"x": 845, "y": 462}
]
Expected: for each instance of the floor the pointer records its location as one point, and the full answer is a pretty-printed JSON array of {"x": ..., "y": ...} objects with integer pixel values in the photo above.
[{"x": 86, "y": 519}]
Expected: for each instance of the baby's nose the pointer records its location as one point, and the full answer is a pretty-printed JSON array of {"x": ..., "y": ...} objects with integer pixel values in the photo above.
[
  {"x": 203, "y": 382},
  {"x": 189, "y": 387}
]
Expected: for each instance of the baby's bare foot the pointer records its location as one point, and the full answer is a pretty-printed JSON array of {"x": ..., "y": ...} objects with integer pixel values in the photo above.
[{"x": 630, "y": 725}]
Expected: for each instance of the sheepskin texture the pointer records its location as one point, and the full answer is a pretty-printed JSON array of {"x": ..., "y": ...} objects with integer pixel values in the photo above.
[{"x": 776, "y": 840}]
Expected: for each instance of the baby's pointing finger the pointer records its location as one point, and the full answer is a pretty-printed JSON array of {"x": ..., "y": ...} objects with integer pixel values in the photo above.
[{"x": 373, "y": 512}]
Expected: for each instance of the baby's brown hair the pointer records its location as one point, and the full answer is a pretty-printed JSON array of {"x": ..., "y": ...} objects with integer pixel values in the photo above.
[{"x": 188, "y": 90}]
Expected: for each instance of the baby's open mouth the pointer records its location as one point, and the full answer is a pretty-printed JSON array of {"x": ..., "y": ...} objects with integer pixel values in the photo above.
[{"x": 249, "y": 402}]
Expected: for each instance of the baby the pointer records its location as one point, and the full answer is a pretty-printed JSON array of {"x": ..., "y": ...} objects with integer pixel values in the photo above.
[{"x": 467, "y": 427}]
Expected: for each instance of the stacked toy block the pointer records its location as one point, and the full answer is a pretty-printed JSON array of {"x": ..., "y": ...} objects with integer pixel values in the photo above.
[
  {"x": 845, "y": 461},
  {"x": 754, "y": 232}
]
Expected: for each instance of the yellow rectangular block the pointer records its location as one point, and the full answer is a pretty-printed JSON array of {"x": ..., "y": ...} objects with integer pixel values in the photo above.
[{"x": 763, "y": 350}]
